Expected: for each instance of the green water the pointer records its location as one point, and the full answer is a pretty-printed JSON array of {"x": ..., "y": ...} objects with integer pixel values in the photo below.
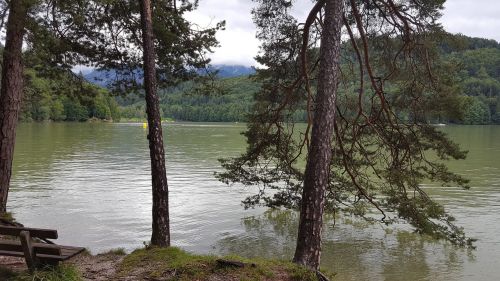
[{"x": 92, "y": 183}]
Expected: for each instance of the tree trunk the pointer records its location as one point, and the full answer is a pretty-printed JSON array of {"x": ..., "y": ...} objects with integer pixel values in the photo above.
[
  {"x": 11, "y": 93},
  {"x": 161, "y": 224},
  {"x": 317, "y": 174}
]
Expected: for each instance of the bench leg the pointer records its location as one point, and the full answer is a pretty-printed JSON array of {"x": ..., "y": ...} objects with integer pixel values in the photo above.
[
  {"x": 41, "y": 263},
  {"x": 29, "y": 252}
]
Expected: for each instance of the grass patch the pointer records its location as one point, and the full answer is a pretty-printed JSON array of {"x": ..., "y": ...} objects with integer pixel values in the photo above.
[
  {"x": 116, "y": 252},
  {"x": 58, "y": 273},
  {"x": 7, "y": 216},
  {"x": 271, "y": 269},
  {"x": 176, "y": 264},
  {"x": 161, "y": 262}
]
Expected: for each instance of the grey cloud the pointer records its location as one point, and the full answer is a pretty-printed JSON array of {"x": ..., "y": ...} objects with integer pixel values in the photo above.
[{"x": 479, "y": 18}]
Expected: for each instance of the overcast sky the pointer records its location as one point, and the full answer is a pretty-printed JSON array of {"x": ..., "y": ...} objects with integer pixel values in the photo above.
[{"x": 478, "y": 18}]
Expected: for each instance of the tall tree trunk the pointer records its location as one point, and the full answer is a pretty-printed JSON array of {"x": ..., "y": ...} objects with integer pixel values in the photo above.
[
  {"x": 161, "y": 224},
  {"x": 317, "y": 174},
  {"x": 11, "y": 93}
]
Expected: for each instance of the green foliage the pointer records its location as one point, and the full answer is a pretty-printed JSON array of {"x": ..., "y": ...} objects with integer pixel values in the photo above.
[
  {"x": 231, "y": 102},
  {"x": 101, "y": 108},
  {"x": 52, "y": 93},
  {"x": 75, "y": 111},
  {"x": 106, "y": 34},
  {"x": 383, "y": 145},
  {"x": 479, "y": 78},
  {"x": 57, "y": 111},
  {"x": 477, "y": 58},
  {"x": 496, "y": 116},
  {"x": 476, "y": 112},
  {"x": 57, "y": 94},
  {"x": 7, "y": 216}
]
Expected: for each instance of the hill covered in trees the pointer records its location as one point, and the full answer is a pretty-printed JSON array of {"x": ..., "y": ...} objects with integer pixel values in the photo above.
[
  {"x": 65, "y": 97},
  {"x": 57, "y": 94},
  {"x": 478, "y": 81},
  {"x": 60, "y": 95},
  {"x": 229, "y": 101}
]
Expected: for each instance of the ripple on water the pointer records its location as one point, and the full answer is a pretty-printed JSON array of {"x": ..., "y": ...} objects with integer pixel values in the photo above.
[{"x": 94, "y": 179}]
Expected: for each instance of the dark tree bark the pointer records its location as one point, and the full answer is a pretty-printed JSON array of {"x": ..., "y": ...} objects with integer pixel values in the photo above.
[
  {"x": 161, "y": 224},
  {"x": 11, "y": 93},
  {"x": 317, "y": 173}
]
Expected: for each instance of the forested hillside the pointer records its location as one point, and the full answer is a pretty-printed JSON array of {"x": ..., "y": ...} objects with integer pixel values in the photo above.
[
  {"x": 65, "y": 97},
  {"x": 229, "y": 102},
  {"x": 58, "y": 95},
  {"x": 479, "y": 82}
]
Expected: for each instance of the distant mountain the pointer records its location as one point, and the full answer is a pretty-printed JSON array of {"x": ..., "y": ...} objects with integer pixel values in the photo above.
[
  {"x": 229, "y": 71},
  {"x": 105, "y": 78},
  {"x": 101, "y": 78}
]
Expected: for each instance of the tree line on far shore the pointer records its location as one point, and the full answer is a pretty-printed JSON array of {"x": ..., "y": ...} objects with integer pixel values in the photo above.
[
  {"x": 61, "y": 95},
  {"x": 478, "y": 82}
]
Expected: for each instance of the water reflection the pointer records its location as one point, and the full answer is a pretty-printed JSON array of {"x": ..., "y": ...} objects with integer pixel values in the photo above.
[{"x": 353, "y": 249}]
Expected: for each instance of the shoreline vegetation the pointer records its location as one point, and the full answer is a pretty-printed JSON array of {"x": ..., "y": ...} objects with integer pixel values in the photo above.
[
  {"x": 152, "y": 263},
  {"x": 156, "y": 263},
  {"x": 170, "y": 120}
]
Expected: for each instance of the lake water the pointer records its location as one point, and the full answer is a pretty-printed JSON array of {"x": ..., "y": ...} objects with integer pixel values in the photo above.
[{"x": 92, "y": 183}]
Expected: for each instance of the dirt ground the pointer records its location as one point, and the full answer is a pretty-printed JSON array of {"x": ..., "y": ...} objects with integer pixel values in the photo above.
[
  {"x": 92, "y": 268},
  {"x": 13, "y": 263},
  {"x": 104, "y": 268},
  {"x": 97, "y": 268}
]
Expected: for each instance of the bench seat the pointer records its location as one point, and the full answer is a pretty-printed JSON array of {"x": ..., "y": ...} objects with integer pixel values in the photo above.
[
  {"x": 35, "y": 253},
  {"x": 42, "y": 251},
  {"x": 34, "y": 232}
]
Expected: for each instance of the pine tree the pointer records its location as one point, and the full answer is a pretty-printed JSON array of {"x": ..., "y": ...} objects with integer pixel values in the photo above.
[
  {"x": 367, "y": 145},
  {"x": 126, "y": 37},
  {"x": 161, "y": 221},
  {"x": 11, "y": 91}
]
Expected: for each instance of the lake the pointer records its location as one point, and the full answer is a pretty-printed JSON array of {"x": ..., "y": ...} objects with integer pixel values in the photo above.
[{"x": 91, "y": 182}]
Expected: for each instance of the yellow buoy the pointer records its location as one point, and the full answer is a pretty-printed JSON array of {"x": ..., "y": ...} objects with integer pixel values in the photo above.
[{"x": 144, "y": 125}]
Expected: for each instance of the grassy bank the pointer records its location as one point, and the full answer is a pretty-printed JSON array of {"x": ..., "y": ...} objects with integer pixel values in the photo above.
[{"x": 165, "y": 264}]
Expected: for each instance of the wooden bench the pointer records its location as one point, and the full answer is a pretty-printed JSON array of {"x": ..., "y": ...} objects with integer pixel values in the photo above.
[{"x": 36, "y": 254}]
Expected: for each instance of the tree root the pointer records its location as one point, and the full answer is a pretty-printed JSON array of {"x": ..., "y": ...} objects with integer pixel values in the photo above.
[{"x": 228, "y": 263}]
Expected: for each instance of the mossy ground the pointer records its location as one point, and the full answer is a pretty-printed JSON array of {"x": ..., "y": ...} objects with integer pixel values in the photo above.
[
  {"x": 175, "y": 264},
  {"x": 153, "y": 263}
]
